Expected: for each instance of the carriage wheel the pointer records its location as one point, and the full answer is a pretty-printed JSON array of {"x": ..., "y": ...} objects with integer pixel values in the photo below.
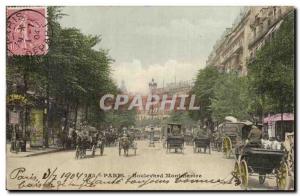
[
  {"x": 227, "y": 147},
  {"x": 244, "y": 174},
  {"x": 237, "y": 172},
  {"x": 282, "y": 177},
  {"x": 261, "y": 178}
]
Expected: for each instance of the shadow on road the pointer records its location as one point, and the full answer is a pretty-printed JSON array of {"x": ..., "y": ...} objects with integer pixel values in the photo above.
[{"x": 253, "y": 182}]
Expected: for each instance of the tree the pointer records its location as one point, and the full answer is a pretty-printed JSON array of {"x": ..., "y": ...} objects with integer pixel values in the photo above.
[
  {"x": 204, "y": 90},
  {"x": 231, "y": 97},
  {"x": 181, "y": 117},
  {"x": 71, "y": 75},
  {"x": 271, "y": 73}
]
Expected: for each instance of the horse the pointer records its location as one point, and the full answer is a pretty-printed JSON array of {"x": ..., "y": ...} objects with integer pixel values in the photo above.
[
  {"x": 110, "y": 138},
  {"x": 100, "y": 145},
  {"x": 124, "y": 144}
]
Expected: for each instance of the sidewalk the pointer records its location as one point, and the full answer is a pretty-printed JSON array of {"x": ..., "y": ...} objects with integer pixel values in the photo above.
[{"x": 32, "y": 151}]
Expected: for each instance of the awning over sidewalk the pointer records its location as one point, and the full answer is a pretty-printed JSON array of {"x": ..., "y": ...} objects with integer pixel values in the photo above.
[{"x": 277, "y": 117}]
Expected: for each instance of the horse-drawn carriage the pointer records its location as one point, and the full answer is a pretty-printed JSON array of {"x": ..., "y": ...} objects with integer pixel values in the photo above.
[
  {"x": 261, "y": 158},
  {"x": 232, "y": 134},
  {"x": 89, "y": 140},
  {"x": 154, "y": 135},
  {"x": 255, "y": 160},
  {"x": 175, "y": 138},
  {"x": 201, "y": 143},
  {"x": 111, "y": 138},
  {"x": 126, "y": 142}
]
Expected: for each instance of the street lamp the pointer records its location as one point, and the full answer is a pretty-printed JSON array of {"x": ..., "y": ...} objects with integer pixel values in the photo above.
[{"x": 152, "y": 87}]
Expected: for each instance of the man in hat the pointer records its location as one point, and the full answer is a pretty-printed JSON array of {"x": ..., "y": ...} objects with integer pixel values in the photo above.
[{"x": 255, "y": 135}]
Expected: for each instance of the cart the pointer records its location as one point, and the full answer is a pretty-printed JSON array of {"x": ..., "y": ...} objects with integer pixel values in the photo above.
[
  {"x": 175, "y": 138},
  {"x": 201, "y": 143},
  {"x": 233, "y": 134},
  {"x": 127, "y": 143},
  {"x": 83, "y": 147},
  {"x": 261, "y": 162}
]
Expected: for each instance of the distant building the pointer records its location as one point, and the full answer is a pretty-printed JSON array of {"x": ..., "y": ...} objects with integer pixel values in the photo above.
[
  {"x": 181, "y": 87},
  {"x": 252, "y": 29},
  {"x": 123, "y": 88},
  {"x": 178, "y": 88}
]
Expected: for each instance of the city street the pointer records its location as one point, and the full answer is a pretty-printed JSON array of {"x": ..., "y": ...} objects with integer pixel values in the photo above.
[
  {"x": 85, "y": 85},
  {"x": 149, "y": 160}
]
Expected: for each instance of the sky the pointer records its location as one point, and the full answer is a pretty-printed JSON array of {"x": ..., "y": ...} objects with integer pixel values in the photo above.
[{"x": 164, "y": 43}]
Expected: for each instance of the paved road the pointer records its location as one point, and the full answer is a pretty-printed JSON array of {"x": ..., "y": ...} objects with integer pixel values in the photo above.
[{"x": 148, "y": 161}]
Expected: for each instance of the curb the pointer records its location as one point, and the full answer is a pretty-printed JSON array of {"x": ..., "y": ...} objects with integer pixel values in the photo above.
[{"x": 45, "y": 152}]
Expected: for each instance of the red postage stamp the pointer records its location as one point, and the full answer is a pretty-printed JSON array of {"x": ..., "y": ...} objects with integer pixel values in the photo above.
[{"x": 27, "y": 31}]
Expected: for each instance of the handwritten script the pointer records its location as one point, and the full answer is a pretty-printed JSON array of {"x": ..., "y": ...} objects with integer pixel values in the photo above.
[{"x": 52, "y": 178}]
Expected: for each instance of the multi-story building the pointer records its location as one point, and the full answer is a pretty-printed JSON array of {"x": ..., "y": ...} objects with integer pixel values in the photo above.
[
  {"x": 170, "y": 89},
  {"x": 181, "y": 87},
  {"x": 252, "y": 29}
]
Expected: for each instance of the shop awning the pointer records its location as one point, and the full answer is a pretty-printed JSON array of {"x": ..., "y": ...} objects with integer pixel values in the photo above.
[{"x": 277, "y": 117}]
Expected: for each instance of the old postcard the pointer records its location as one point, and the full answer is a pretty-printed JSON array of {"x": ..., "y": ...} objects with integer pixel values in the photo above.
[{"x": 150, "y": 98}]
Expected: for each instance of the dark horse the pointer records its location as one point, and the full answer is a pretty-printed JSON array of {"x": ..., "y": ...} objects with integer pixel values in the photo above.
[
  {"x": 110, "y": 138},
  {"x": 124, "y": 144},
  {"x": 100, "y": 145}
]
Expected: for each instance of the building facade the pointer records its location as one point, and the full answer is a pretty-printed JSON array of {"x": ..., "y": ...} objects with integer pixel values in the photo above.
[
  {"x": 170, "y": 89},
  {"x": 251, "y": 30}
]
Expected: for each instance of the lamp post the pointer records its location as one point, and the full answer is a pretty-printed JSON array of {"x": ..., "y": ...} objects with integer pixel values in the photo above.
[{"x": 152, "y": 87}]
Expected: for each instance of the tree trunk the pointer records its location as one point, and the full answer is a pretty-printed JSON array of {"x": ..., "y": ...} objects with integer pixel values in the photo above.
[
  {"x": 66, "y": 125},
  {"x": 25, "y": 113},
  {"x": 86, "y": 112},
  {"x": 76, "y": 113},
  {"x": 46, "y": 125}
]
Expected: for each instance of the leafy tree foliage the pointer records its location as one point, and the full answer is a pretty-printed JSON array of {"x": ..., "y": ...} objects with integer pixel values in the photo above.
[
  {"x": 205, "y": 92},
  {"x": 268, "y": 87},
  {"x": 181, "y": 117},
  {"x": 231, "y": 97},
  {"x": 73, "y": 75},
  {"x": 272, "y": 71}
]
